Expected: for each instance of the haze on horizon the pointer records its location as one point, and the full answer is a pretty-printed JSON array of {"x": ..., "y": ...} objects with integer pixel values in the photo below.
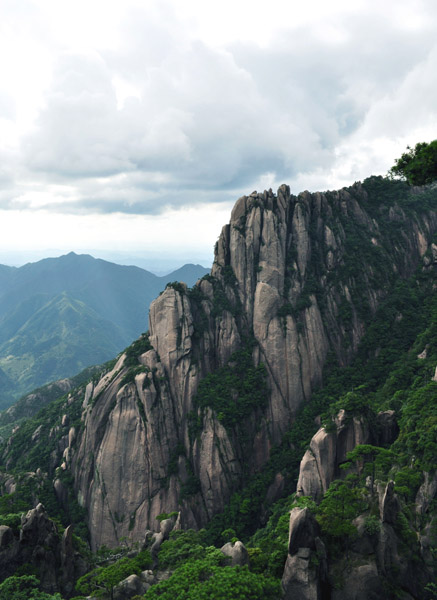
[{"x": 130, "y": 129}]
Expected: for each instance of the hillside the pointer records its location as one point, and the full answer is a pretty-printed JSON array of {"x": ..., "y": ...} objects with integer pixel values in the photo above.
[
  {"x": 299, "y": 375},
  {"x": 60, "y": 315}
]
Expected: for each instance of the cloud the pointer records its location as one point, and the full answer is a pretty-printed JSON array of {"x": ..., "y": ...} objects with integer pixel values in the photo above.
[{"x": 168, "y": 120}]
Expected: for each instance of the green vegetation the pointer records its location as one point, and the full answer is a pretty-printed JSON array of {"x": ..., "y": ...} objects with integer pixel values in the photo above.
[
  {"x": 419, "y": 165},
  {"x": 233, "y": 391},
  {"x": 341, "y": 504},
  {"x": 102, "y": 580},
  {"x": 24, "y": 588},
  {"x": 60, "y": 315},
  {"x": 392, "y": 370},
  {"x": 140, "y": 346},
  {"x": 209, "y": 577}
]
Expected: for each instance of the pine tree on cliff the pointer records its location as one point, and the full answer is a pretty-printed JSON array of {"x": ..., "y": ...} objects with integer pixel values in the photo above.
[{"x": 419, "y": 165}]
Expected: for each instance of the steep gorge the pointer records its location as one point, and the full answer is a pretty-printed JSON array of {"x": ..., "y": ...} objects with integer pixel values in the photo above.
[{"x": 295, "y": 280}]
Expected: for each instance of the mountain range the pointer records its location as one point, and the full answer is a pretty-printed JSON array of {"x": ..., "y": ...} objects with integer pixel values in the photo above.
[
  {"x": 60, "y": 315},
  {"x": 271, "y": 436}
]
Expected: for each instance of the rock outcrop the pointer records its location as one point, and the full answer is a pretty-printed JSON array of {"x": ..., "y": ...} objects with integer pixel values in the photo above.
[
  {"x": 237, "y": 553},
  {"x": 321, "y": 463},
  {"x": 305, "y": 570},
  {"x": 377, "y": 557},
  {"x": 293, "y": 279},
  {"x": 39, "y": 546}
]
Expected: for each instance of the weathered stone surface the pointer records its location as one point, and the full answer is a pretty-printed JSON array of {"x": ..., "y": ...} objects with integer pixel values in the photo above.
[
  {"x": 137, "y": 452},
  {"x": 129, "y": 587},
  {"x": 237, "y": 553},
  {"x": 6, "y": 537},
  {"x": 426, "y": 493},
  {"x": 303, "y": 530},
  {"x": 275, "y": 489},
  {"x": 390, "y": 505},
  {"x": 320, "y": 464},
  {"x": 361, "y": 583},
  {"x": 299, "y": 579},
  {"x": 303, "y": 578},
  {"x": 388, "y": 428},
  {"x": 39, "y": 545},
  {"x": 166, "y": 527}
]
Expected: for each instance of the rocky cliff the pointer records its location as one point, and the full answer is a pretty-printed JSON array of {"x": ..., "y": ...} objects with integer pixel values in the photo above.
[
  {"x": 194, "y": 407},
  {"x": 389, "y": 553},
  {"x": 38, "y": 546}
]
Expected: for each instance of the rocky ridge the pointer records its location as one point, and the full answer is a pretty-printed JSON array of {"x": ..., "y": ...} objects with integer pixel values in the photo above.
[
  {"x": 376, "y": 561},
  {"x": 294, "y": 279}
]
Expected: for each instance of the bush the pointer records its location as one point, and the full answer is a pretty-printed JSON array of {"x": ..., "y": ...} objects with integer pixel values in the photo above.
[{"x": 208, "y": 578}]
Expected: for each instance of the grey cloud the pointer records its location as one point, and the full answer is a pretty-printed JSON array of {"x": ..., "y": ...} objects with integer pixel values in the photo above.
[{"x": 208, "y": 123}]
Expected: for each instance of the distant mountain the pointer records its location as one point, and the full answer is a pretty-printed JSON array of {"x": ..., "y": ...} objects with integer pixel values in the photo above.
[
  {"x": 60, "y": 315},
  {"x": 29, "y": 405}
]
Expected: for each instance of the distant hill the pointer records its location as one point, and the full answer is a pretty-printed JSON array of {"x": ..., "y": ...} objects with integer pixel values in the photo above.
[{"x": 60, "y": 315}]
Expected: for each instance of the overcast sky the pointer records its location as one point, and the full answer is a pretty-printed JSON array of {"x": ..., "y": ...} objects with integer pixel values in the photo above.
[{"x": 129, "y": 128}]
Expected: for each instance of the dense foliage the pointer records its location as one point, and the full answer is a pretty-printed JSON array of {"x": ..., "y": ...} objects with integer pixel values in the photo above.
[
  {"x": 418, "y": 165},
  {"x": 25, "y": 587},
  {"x": 102, "y": 580},
  {"x": 234, "y": 391},
  {"x": 210, "y": 577}
]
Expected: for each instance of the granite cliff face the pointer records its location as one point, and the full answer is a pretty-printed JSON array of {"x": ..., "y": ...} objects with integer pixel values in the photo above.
[
  {"x": 38, "y": 544},
  {"x": 294, "y": 278},
  {"x": 376, "y": 564}
]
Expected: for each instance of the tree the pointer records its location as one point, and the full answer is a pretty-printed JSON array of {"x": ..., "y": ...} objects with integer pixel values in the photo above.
[
  {"x": 24, "y": 588},
  {"x": 210, "y": 577},
  {"x": 419, "y": 165},
  {"x": 340, "y": 505},
  {"x": 102, "y": 580},
  {"x": 368, "y": 458}
]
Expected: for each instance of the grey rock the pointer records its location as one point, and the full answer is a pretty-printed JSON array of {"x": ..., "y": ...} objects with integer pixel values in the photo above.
[
  {"x": 68, "y": 570},
  {"x": 303, "y": 530},
  {"x": 148, "y": 576},
  {"x": 299, "y": 579},
  {"x": 237, "y": 553},
  {"x": 6, "y": 537},
  {"x": 426, "y": 493},
  {"x": 131, "y": 431},
  {"x": 131, "y": 586},
  {"x": 361, "y": 583},
  {"x": 166, "y": 526},
  {"x": 390, "y": 505},
  {"x": 320, "y": 464},
  {"x": 388, "y": 427}
]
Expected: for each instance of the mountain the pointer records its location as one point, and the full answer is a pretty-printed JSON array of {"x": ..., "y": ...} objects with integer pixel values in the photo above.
[
  {"x": 299, "y": 375},
  {"x": 60, "y": 315},
  {"x": 227, "y": 365}
]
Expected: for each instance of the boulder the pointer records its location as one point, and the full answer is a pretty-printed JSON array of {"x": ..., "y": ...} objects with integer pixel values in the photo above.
[
  {"x": 237, "y": 553},
  {"x": 129, "y": 587}
]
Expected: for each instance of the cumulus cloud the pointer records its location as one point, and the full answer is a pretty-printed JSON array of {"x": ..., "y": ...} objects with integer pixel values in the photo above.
[{"x": 166, "y": 120}]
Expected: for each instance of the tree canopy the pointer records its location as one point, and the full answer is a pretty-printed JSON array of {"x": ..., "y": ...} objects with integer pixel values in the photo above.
[
  {"x": 24, "y": 588},
  {"x": 418, "y": 165}
]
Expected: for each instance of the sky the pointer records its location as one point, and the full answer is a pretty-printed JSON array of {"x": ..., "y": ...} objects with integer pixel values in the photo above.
[{"x": 129, "y": 128}]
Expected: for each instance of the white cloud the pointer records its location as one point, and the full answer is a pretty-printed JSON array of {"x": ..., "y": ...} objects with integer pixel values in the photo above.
[{"x": 145, "y": 107}]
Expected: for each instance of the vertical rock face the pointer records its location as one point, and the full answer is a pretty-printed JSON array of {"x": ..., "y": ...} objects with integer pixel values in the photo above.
[
  {"x": 39, "y": 546},
  {"x": 304, "y": 578},
  {"x": 289, "y": 284},
  {"x": 320, "y": 464}
]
